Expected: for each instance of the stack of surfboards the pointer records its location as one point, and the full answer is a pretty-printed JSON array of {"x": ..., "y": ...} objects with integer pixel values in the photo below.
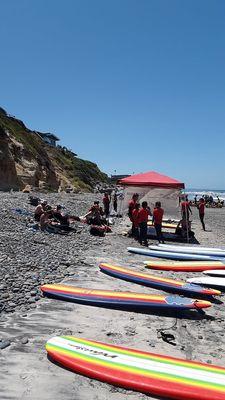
[{"x": 181, "y": 252}]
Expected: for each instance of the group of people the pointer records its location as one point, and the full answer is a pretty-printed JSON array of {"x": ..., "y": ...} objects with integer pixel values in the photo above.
[
  {"x": 52, "y": 219},
  {"x": 139, "y": 215},
  {"x": 209, "y": 201}
]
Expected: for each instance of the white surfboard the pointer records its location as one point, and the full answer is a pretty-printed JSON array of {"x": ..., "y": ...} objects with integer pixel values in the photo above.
[
  {"x": 215, "y": 272},
  {"x": 208, "y": 281},
  {"x": 172, "y": 255},
  {"x": 210, "y": 251}
]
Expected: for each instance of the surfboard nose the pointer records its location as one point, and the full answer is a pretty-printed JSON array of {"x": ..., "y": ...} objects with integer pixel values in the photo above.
[{"x": 202, "y": 304}]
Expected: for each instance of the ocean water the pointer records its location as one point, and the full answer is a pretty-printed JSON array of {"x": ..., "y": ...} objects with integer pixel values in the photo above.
[{"x": 200, "y": 192}]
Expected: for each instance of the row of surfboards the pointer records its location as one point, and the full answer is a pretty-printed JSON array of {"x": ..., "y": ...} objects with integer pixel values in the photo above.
[
  {"x": 133, "y": 369},
  {"x": 211, "y": 261}
]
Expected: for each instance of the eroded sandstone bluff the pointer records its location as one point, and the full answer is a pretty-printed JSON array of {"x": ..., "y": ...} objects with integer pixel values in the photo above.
[{"x": 25, "y": 159}]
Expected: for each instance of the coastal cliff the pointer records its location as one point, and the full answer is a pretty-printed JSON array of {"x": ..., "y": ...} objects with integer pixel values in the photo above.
[{"x": 26, "y": 159}]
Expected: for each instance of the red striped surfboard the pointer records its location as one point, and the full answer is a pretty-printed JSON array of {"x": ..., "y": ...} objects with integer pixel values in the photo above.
[
  {"x": 141, "y": 371},
  {"x": 109, "y": 298},
  {"x": 155, "y": 281},
  {"x": 186, "y": 266}
]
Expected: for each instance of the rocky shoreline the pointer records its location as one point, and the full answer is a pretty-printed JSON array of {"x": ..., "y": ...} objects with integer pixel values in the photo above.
[
  {"x": 29, "y": 259},
  {"x": 27, "y": 320}
]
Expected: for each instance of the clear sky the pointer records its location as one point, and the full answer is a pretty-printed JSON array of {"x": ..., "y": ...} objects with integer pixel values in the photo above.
[{"x": 133, "y": 85}]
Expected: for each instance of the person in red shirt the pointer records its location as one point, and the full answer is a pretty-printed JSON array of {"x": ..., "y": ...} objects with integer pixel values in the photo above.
[
  {"x": 135, "y": 213},
  {"x": 143, "y": 214},
  {"x": 201, "y": 210},
  {"x": 157, "y": 221},
  {"x": 131, "y": 207},
  {"x": 185, "y": 209}
]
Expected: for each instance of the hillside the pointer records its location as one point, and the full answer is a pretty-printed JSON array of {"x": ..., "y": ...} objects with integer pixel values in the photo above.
[{"x": 25, "y": 159}]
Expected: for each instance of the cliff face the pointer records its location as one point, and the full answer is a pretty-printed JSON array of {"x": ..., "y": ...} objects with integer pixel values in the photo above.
[{"x": 25, "y": 159}]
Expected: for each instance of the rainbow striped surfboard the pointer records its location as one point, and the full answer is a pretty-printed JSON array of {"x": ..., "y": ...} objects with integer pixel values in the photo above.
[
  {"x": 109, "y": 298},
  {"x": 156, "y": 282},
  {"x": 137, "y": 370}
]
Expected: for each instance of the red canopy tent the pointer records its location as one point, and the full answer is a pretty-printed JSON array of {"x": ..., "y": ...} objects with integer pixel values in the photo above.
[
  {"x": 151, "y": 178},
  {"x": 151, "y": 187}
]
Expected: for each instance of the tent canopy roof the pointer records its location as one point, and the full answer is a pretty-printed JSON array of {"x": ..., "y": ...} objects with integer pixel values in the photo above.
[{"x": 151, "y": 178}]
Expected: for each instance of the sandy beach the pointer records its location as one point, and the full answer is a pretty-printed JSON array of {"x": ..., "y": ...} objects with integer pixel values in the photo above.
[{"x": 28, "y": 320}]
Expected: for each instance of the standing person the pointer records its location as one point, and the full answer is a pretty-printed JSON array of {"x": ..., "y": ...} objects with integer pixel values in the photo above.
[
  {"x": 157, "y": 221},
  {"x": 115, "y": 202},
  {"x": 201, "y": 210},
  {"x": 135, "y": 219},
  {"x": 143, "y": 214},
  {"x": 131, "y": 207},
  {"x": 106, "y": 203},
  {"x": 185, "y": 209}
]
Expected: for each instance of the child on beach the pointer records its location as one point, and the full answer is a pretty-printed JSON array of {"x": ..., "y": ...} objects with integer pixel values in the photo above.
[
  {"x": 157, "y": 221},
  {"x": 143, "y": 214}
]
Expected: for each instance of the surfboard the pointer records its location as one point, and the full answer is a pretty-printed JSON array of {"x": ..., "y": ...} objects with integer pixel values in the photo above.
[
  {"x": 185, "y": 266},
  {"x": 173, "y": 256},
  {"x": 109, "y": 298},
  {"x": 202, "y": 248},
  {"x": 145, "y": 372},
  {"x": 215, "y": 272},
  {"x": 209, "y": 281},
  {"x": 166, "y": 225},
  {"x": 154, "y": 281},
  {"x": 190, "y": 249}
]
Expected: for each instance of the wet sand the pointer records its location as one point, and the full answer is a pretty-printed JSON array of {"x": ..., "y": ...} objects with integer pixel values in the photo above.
[{"x": 25, "y": 371}]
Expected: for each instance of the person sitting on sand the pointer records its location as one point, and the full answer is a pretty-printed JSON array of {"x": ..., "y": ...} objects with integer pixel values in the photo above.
[
  {"x": 63, "y": 219},
  {"x": 39, "y": 210},
  {"x": 201, "y": 210},
  {"x": 95, "y": 215},
  {"x": 157, "y": 221},
  {"x": 184, "y": 228},
  {"x": 143, "y": 214},
  {"x": 45, "y": 219}
]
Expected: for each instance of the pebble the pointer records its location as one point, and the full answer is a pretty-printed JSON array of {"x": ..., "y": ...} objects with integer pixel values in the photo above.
[
  {"x": 4, "y": 344},
  {"x": 25, "y": 340}
]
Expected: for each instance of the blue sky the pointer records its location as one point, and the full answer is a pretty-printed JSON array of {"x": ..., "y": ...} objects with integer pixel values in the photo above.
[{"x": 133, "y": 85}]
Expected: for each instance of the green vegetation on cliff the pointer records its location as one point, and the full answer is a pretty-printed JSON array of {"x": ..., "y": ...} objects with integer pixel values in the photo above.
[{"x": 39, "y": 164}]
